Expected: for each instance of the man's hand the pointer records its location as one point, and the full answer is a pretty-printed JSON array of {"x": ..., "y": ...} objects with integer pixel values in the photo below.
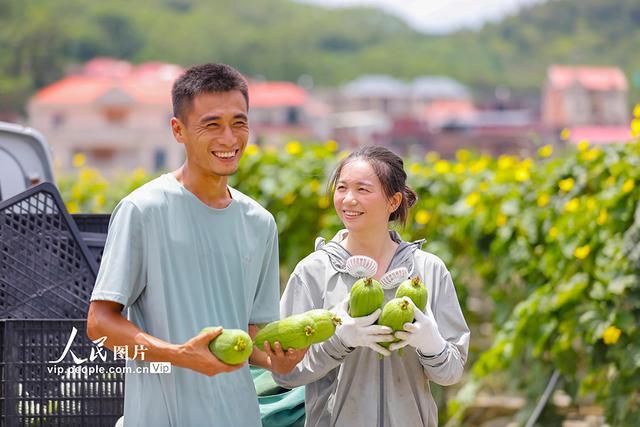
[
  {"x": 105, "y": 319},
  {"x": 195, "y": 355},
  {"x": 282, "y": 362}
]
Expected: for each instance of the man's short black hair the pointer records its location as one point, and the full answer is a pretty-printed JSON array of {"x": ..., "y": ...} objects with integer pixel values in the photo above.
[{"x": 205, "y": 78}]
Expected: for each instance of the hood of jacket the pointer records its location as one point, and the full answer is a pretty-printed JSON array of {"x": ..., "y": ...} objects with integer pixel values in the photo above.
[{"x": 338, "y": 255}]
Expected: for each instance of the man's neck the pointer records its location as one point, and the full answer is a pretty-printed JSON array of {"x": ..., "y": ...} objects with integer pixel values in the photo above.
[{"x": 210, "y": 189}]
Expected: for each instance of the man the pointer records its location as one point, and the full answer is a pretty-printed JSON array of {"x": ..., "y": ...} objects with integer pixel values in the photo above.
[{"x": 186, "y": 251}]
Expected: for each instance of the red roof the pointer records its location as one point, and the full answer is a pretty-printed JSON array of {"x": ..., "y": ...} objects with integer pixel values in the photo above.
[
  {"x": 107, "y": 67},
  {"x": 592, "y": 78},
  {"x": 73, "y": 90},
  {"x": 276, "y": 94},
  {"x": 445, "y": 109},
  {"x": 81, "y": 90},
  {"x": 600, "y": 134},
  {"x": 148, "y": 83}
]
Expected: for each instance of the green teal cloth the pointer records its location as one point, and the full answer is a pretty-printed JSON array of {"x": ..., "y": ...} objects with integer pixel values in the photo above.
[{"x": 279, "y": 407}]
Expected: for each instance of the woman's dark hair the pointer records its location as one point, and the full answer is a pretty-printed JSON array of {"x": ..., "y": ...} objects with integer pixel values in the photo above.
[
  {"x": 389, "y": 168},
  {"x": 205, "y": 78}
]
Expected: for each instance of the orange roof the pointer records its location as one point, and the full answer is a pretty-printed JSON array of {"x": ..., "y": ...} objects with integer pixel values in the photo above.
[
  {"x": 276, "y": 94},
  {"x": 82, "y": 90},
  {"x": 148, "y": 83},
  {"x": 107, "y": 67},
  {"x": 74, "y": 90},
  {"x": 157, "y": 71},
  {"x": 593, "y": 78}
]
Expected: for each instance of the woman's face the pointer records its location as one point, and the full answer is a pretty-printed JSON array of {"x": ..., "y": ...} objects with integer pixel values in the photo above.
[{"x": 359, "y": 198}]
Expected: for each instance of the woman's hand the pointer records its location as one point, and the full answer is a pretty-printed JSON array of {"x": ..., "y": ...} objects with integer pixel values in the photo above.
[
  {"x": 422, "y": 334},
  {"x": 362, "y": 331}
]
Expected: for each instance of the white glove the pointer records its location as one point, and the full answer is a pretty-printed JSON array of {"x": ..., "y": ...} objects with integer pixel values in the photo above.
[
  {"x": 361, "y": 331},
  {"x": 422, "y": 334}
]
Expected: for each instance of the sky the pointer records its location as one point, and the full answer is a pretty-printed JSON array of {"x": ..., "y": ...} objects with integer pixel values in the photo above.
[{"x": 439, "y": 16}]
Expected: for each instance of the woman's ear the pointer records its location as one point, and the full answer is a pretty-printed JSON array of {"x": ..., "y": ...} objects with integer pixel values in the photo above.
[{"x": 394, "y": 202}]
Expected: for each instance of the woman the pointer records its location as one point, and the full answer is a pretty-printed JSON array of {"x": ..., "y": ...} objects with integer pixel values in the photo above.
[{"x": 347, "y": 382}]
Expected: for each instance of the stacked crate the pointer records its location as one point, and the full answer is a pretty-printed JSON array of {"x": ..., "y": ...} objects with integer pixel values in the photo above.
[{"x": 47, "y": 274}]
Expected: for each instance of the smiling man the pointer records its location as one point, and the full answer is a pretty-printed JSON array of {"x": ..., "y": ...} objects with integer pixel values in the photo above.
[{"x": 187, "y": 251}]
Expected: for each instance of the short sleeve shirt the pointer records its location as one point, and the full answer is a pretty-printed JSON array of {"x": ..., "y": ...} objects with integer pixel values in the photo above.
[{"x": 179, "y": 265}]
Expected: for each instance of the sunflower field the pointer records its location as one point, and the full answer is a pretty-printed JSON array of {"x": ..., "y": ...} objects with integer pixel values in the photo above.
[{"x": 544, "y": 252}]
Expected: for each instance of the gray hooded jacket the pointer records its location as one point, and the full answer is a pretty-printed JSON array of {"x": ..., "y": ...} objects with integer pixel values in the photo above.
[{"x": 354, "y": 387}]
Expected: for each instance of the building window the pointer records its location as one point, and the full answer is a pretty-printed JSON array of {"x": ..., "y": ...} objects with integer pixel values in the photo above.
[
  {"x": 597, "y": 113},
  {"x": 293, "y": 116},
  {"x": 115, "y": 115},
  {"x": 159, "y": 159},
  {"x": 57, "y": 120},
  {"x": 102, "y": 154}
]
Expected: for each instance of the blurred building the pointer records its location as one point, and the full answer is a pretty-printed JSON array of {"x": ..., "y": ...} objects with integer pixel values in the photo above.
[
  {"x": 379, "y": 109},
  {"x": 433, "y": 99},
  {"x": 118, "y": 115},
  {"x": 380, "y": 93},
  {"x": 591, "y": 102},
  {"x": 430, "y": 113},
  {"x": 281, "y": 111},
  {"x": 491, "y": 132},
  {"x": 441, "y": 102},
  {"x": 115, "y": 113}
]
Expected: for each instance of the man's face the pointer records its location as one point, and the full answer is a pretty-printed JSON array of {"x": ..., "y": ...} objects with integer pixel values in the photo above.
[{"x": 214, "y": 132}]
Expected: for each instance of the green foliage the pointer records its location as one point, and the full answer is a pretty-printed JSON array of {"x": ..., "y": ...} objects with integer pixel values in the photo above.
[
  {"x": 282, "y": 40},
  {"x": 552, "y": 242}
]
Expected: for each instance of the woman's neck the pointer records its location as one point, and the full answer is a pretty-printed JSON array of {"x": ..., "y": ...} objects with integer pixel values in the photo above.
[{"x": 377, "y": 245}]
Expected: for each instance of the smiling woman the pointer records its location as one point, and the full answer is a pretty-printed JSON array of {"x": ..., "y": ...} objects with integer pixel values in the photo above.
[
  {"x": 359, "y": 199},
  {"x": 370, "y": 183},
  {"x": 347, "y": 382}
]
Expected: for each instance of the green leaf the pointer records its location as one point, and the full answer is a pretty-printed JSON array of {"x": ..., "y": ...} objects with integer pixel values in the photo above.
[{"x": 619, "y": 284}]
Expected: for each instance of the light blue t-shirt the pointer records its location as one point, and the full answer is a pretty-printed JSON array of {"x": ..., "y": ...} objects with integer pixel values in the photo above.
[{"x": 179, "y": 265}]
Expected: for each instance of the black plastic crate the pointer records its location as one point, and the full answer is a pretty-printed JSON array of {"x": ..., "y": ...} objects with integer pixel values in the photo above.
[
  {"x": 46, "y": 270},
  {"x": 93, "y": 229},
  {"x": 92, "y": 223},
  {"x": 95, "y": 242},
  {"x": 35, "y": 392}
]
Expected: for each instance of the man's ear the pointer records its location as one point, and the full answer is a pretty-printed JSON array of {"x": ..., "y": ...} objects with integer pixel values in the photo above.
[{"x": 178, "y": 128}]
